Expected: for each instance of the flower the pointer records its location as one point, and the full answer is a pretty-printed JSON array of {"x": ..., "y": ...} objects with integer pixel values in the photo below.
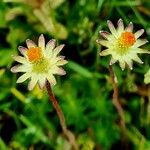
[
  {"x": 122, "y": 44},
  {"x": 40, "y": 63}
]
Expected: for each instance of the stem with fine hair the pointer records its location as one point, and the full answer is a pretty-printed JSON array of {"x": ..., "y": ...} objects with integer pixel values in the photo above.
[
  {"x": 61, "y": 117},
  {"x": 115, "y": 97}
]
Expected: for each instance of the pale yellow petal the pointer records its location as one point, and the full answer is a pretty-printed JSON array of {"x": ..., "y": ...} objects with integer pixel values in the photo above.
[
  {"x": 129, "y": 28},
  {"x": 50, "y": 46},
  {"x": 130, "y": 63},
  {"x": 42, "y": 81},
  {"x": 20, "y": 59},
  {"x": 105, "y": 52},
  {"x": 22, "y": 50},
  {"x": 120, "y": 26},
  {"x": 137, "y": 59},
  {"x": 58, "y": 49},
  {"x": 122, "y": 64},
  {"x": 105, "y": 34},
  {"x": 111, "y": 27},
  {"x": 138, "y": 33},
  {"x": 140, "y": 51},
  {"x": 20, "y": 68},
  {"x": 41, "y": 42},
  {"x": 58, "y": 70},
  {"x": 51, "y": 79},
  {"x": 58, "y": 58},
  {"x": 140, "y": 42},
  {"x": 30, "y": 43},
  {"x": 32, "y": 82},
  {"x": 23, "y": 77},
  {"x": 103, "y": 42},
  {"x": 61, "y": 62},
  {"x": 112, "y": 61}
]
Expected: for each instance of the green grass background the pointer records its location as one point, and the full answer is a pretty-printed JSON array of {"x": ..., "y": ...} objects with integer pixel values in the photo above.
[{"x": 28, "y": 120}]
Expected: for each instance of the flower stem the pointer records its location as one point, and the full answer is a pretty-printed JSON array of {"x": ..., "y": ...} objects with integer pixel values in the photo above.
[
  {"x": 115, "y": 98},
  {"x": 61, "y": 117}
]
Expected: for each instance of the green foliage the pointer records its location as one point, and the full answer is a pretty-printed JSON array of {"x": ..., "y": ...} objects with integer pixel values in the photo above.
[
  {"x": 28, "y": 120},
  {"x": 147, "y": 77}
]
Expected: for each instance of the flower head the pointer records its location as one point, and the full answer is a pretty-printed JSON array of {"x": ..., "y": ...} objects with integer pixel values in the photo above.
[
  {"x": 40, "y": 63},
  {"x": 122, "y": 44}
]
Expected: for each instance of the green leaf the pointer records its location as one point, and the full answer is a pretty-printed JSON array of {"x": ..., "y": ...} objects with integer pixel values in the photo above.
[
  {"x": 3, "y": 145},
  {"x": 6, "y": 57},
  {"x": 79, "y": 69},
  {"x": 147, "y": 77}
]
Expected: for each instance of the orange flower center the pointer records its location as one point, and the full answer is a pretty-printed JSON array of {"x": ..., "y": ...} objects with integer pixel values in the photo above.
[
  {"x": 127, "y": 39},
  {"x": 34, "y": 53}
]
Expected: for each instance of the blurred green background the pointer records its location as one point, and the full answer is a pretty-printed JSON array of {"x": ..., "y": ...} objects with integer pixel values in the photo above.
[{"x": 28, "y": 120}]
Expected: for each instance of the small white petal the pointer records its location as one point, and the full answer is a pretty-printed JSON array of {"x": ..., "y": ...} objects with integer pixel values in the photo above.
[
  {"x": 42, "y": 82},
  {"x": 14, "y": 69},
  {"x": 61, "y": 57},
  {"x": 61, "y": 62},
  {"x": 20, "y": 59},
  {"x": 111, "y": 27},
  {"x": 105, "y": 52},
  {"x": 20, "y": 68},
  {"x": 103, "y": 42},
  {"x": 122, "y": 64},
  {"x": 58, "y": 49},
  {"x": 56, "y": 59},
  {"x": 30, "y": 43},
  {"x": 140, "y": 42},
  {"x": 22, "y": 50},
  {"x": 130, "y": 64},
  {"x": 129, "y": 28},
  {"x": 51, "y": 79},
  {"x": 23, "y": 77},
  {"x": 41, "y": 42},
  {"x": 105, "y": 34},
  {"x": 138, "y": 33},
  {"x": 112, "y": 61},
  {"x": 32, "y": 82},
  {"x": 137, "y": 59},
  {"x": 140, "y": 51},
  {"x": 58, "y": 70},
  {"x": 120, "y": 25},
  {"x": 50, "y": 46}
]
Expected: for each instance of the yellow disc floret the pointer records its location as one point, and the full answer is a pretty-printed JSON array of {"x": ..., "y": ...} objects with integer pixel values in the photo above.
[
  {"x": 127, "y": 39},
  {"x": 34, "y": 54},
  {"x": 41, "y": 66},
  {"x": 124, "y": 42},
  {"x": 39, "y": 63}
]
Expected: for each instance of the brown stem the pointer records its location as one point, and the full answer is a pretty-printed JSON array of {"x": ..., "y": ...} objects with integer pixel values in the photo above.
[
  {"x": 61, "y": 117},
  {"x": 115, "y": 98}
]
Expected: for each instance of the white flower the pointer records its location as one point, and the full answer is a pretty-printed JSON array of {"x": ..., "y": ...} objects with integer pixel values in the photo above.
[
  {"x": 39, "y": 63},
  {"x": 122, "y": 44}
]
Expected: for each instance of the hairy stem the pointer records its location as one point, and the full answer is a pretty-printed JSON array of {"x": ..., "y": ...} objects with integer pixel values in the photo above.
[
  {"x": 61, "y": 117},
  {"x": 115, "y": 97}
]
